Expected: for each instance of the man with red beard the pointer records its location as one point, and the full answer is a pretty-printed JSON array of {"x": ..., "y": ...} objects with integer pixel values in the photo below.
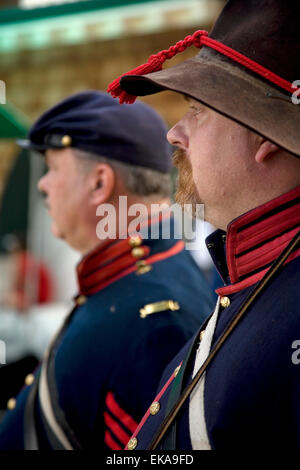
[{"x": 237, "y": 383}]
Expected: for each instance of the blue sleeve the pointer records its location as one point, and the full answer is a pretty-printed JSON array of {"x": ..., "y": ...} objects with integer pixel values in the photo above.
[{"x": 12, "y": 425}]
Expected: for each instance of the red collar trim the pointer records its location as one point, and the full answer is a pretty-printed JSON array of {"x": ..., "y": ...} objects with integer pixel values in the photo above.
[
  {"x": 115, "y": 259},
  {"x": 256, "y": 239}
]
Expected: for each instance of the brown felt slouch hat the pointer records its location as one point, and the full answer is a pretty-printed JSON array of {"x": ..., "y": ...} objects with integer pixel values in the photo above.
[{"x": 265, "y": 31}]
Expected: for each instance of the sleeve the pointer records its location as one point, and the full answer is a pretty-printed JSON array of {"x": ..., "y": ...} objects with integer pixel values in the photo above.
[
  {"x": 135, "y": 381},
  {"x": 12, "y": 424}
]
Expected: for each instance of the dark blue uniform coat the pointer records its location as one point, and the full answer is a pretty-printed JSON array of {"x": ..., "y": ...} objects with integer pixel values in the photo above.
[
  {"x": 249, "y": 396},
  {"x": 108, "y": 361}
]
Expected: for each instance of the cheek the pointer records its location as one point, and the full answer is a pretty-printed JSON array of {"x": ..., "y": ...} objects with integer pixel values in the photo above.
[
  {"x": 60, "y": 195},
  {"x": 56, "y": 190}
]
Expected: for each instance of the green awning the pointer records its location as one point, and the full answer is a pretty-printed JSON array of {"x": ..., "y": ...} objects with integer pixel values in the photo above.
[
  {"x": 13, "y": 123},
  {"x": 17, "y": 15},
  {"x": 98, "y": 20},
  {"x": 14, "y": 201}
]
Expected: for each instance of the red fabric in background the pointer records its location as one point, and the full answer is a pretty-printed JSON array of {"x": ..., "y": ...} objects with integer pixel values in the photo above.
[{"x": 29, "y": 272}]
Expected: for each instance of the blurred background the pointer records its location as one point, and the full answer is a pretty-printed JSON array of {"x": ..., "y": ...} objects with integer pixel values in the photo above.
[{"x": 50, "y": 49}]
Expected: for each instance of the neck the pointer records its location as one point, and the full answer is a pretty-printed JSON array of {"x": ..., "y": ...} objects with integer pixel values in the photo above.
[
  {"x": 118, "y": 220},
  {"x": 245, "y": 204}
]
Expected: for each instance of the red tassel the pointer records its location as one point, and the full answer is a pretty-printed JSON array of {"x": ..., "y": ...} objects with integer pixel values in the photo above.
[
  {"x": 198, "y": 39},
  {"x": 154, "y": 64}
]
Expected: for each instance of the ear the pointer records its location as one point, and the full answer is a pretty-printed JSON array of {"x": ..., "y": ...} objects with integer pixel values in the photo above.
[
  {"x": 102, "y": 183},
  {"x": 265, "y": 151}
]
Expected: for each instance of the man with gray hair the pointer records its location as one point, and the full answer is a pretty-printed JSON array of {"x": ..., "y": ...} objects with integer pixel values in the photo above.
[{"x": 139, "y": 298}]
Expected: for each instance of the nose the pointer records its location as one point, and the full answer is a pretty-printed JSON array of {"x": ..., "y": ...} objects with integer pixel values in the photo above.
[
  {"x": 177, "y": 136},
  {"x": 42, "y": 184}
]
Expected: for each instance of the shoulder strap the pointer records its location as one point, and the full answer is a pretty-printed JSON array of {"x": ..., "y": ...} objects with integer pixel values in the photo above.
[
  {"x": 175, "y": 392},
  {"x": 264, "y": 282}
]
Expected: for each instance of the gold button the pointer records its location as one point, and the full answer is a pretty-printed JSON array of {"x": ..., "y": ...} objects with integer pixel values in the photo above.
[
  {"x": 225, "y": 302},
  {"x": 142, "y": 267},
  {"x": 29, "y": 379},
  {"x": 81, "y": 299},
  {"x": 137, "y": 252},
  {"x": 132, "y": 443},
  {"x": 154, "y": 408},
  {"x": 11, "y": 403},
  {"x": 176, "y": 371},
  {"x": 66, "y": 140},
  {"x": 202, "y": 334},
  {"x": 135, "y": 241}
]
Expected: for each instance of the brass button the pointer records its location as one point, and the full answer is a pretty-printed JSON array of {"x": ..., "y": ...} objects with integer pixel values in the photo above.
[
  {"x": 66, "y": 140},
  {"x": 132, "y": 443},
  {"x": 135, "y": 241},
  {"x": 142, "y": 267},
  {"x": 202, "y": 334},
  {"x": 225, "y": 302},
  {"x": 176, "y": 371},
  {"x": 29, "y": 379},
  {"x": 81, "y": 300},
  {"x": 11, "y": 403},
  {"x": 137, "y": 252},
  {"x": 154, "y": 408}
]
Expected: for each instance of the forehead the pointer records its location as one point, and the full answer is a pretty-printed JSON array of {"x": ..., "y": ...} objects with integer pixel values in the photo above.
[
  {"x": 193, "y": 101},
  {"x": 219, "y": 116},
  {"x": 58, "y": 155}
]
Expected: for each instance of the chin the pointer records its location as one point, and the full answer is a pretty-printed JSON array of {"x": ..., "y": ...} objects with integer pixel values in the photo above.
[{"x": 56, "y": 232}]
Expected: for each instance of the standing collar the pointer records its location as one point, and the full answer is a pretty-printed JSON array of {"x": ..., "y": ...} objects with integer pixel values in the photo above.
[
  {"x": 114, "y": 259},
  {"x": 254, "y": 240}
]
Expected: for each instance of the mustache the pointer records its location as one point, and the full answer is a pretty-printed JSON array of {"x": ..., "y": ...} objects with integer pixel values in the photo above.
[
  {"x": 179, "y": 158},
  {"x": 186, "y": 192},
  {"x": 185, "y": 182}
]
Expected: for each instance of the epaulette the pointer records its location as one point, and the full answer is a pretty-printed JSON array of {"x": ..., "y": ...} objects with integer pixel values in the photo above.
[{"x": 156, "y": 307}]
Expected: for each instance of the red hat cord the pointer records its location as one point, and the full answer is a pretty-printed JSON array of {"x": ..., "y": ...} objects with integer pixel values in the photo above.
[{"x": 198, "y": 39}]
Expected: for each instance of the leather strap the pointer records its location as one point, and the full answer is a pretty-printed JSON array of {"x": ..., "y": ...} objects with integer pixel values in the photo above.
[{"x": 170, "y": 441}]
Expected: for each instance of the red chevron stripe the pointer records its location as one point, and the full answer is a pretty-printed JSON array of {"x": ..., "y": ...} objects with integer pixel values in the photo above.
[
  {"x": 117, "y": 411},
  {"x": 117, "y": 430},
  {"x": 110, "y": 442}
]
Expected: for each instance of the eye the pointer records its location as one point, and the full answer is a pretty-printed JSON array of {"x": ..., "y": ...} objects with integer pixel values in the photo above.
[
  {"x": 51, "y": 166},
  {"x": 195, "y": 109}
]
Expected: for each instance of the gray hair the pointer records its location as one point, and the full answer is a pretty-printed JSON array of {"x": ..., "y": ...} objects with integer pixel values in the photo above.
[{"x": 138, "y": 180}]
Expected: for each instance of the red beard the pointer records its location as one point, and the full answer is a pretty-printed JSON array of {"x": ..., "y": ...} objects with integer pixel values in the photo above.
[{"x": 186, "y": 192}]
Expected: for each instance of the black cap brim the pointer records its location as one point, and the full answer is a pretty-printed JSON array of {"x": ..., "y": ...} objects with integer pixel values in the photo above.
[{"x": 28, "y": 145}]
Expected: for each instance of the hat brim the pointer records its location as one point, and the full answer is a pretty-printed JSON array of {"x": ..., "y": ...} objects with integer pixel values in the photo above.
[
  {"x": 28, "y": 145},
  {"x": 230, "y": 91}
]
